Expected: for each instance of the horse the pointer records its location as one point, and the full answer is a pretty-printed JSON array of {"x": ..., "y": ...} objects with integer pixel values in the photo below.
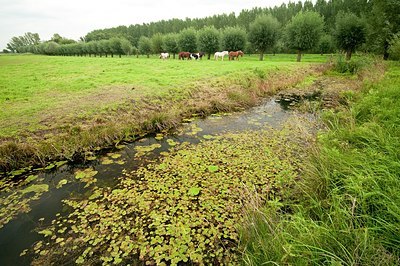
[
  {"x": 201, "y": 54},
  {"x": 183, "y": 55},
  {"x": 236, "y": 54},
  {"x": 220, "y": 54},
  {"x": 195, "y": 56},
  {"x": 164, "y": 56}
]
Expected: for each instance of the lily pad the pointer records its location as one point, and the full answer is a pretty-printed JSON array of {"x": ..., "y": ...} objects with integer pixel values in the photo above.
[
  {"x": 62, "y": 183},
  {"x": 36, "y": 189},
  {"x": 87, "y": 173},
  {"x": 208, "y": 136},
  {"x": 106, "y": 161},
  {"x": 31, "y": 178},
  {"x": 213, "y": 168},
  {"x": 194, "y": 191}
]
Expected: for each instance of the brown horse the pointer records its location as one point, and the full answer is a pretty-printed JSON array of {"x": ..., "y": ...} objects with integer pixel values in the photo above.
[
  {"x": 236, "y": 54},
  {"x": 183, "y": 55}
]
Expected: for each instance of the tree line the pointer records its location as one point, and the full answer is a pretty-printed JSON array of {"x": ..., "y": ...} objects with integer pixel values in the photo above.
[{"x": 369, "y": 25}]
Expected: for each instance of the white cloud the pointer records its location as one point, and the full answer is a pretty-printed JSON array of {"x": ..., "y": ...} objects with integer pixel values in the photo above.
[{"x": 75, "y": 18}]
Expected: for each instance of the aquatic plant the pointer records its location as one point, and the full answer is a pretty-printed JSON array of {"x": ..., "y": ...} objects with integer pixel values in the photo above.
[{"x": 181, "y": 209}]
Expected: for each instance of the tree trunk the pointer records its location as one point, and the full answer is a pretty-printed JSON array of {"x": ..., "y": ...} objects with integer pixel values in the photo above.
[
  {"x": 386, "y": 50},
  {"x": 119, "y": 55},
  {"x": 348, "y": 55},
  {"x": 148, "y": 56},
  {"x": 298, "y": 56},
  {"x": 209, "y": 56},
  {"x": 173, "y": 56},
  {"x": 261, "y": 56}
]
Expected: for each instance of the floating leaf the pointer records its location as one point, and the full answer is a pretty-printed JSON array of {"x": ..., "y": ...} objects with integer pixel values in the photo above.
[
  {"x": 50, "y": 166},
  {"x": 208, "y": 136},
  {"x": 171, "y": 142},
  {"x": 62, "y": 183},
  {"x": 106, "y": 161},
  {"x": 213, "y": 168},
  {"x": 31, "y": 178},
  {"x": 194, "y": 191},
  {"x": 61, "y": 163},
  {"x": 46, "y": 232},
  {"x": 36, "y": 189},
  {"x": 114, "y": 155},
  {"x": 120, "y": 146},
  {"x": 18, "y": 172},
  {"x": 159, "y": 136},
  {"x": 80, "y": 260},
  {"x": 23, "y": 253}
]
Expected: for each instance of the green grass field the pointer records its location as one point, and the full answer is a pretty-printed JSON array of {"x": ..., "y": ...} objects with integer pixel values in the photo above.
[
  {"x": 55, "y": 107},
  {"x": 37, "y": 89}
]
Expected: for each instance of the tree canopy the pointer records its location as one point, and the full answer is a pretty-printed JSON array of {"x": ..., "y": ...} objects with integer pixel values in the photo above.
[
  {"x": 264, "y": 33},
  {"x": 350, "y": 32},
  {"x": 304, "y": 31}
]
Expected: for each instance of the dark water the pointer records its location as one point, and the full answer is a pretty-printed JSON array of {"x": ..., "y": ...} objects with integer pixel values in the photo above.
[{"x": 21, "y": 232}]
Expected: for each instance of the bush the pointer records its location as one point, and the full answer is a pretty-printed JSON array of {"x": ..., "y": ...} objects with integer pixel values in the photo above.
[
  {"x": 353, "y": 66},
  {"x": 394, "y": 50}
]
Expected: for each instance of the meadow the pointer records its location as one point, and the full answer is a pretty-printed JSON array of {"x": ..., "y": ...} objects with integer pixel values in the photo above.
[
  {"x": 46, "y": 98},
  {"x": 294, "y": 196}
]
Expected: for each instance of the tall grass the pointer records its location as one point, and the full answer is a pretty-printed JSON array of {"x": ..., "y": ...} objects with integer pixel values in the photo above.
[{"x": 349, "y": 209}]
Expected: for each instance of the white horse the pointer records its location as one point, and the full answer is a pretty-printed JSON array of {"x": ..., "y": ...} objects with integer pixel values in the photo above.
[
  {"x": 220, "y": 54},
  {"x": 164, "y": 56}
]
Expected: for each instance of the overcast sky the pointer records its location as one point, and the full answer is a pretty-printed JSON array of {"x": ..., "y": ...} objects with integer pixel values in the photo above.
[{"x": 75, "y": 18}]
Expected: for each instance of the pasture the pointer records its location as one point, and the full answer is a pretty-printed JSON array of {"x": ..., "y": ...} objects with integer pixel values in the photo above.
[
  {"x": 34, "y": 89},
  {"x": 80, "y": 103}
]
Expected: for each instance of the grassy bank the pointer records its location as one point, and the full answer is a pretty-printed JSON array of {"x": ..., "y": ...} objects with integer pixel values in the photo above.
[
  {"x": 61, "y": 107},
  {"x": 345, "y": 210}
]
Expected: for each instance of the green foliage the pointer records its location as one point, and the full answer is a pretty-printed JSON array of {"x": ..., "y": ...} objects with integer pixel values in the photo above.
[
  {"x": 27, "y": 39},
  {"x": 181, "y": 209},
  {"x": 349, "y": 210},
  {"x": 144, "y": 46},
  {"x": 394, "y": 50},
  {"x": 209, "y": 40},
  {"x": 350, "y": 33},
  {"x": 264, "y": 33},
  {"x": 233, "y": 39},
  {"x": 171, "y": 43},
  {"x": 51, "y": 48},
  {"x": 326, "y": 45},
  {"x": 115, "y": 46},
  {"x": 157, "y": 43},
  {"x": 304, "y": 31},
  {"x": 126, "y": 47},
  {"x": 187, "y": 40},
  {"x": 353, "y": 66}
]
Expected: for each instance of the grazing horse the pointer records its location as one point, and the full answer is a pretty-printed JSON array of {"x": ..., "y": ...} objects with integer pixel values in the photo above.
[
  {"x": 195, "y": 56},
  {"x": 201, "y": 54},
  {"x": 220, "y": 54},
  {"x": 183, "y": 55},
  {"x": 236, "y": 54},
  {"x": 164, "y": 56}
]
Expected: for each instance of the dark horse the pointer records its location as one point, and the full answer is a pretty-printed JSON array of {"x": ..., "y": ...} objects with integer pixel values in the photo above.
[
  {"x": 201, "y": 54},
  {"x": 236, "y": 54},
  {"x": 183, "y": 55}
]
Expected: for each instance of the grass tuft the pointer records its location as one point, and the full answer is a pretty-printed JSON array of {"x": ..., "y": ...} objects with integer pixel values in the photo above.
[{"x": 348, "y": 211}]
